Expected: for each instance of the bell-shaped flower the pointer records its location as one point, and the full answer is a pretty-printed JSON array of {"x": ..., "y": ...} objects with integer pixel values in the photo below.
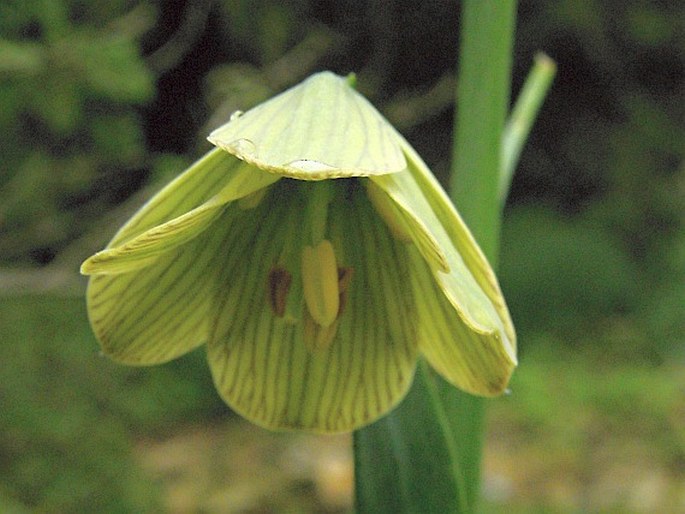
[{"x": 317, "y": 257}]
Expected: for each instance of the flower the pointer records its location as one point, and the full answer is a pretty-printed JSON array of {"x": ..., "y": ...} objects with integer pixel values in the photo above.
[{"x": 315, "y": 296}]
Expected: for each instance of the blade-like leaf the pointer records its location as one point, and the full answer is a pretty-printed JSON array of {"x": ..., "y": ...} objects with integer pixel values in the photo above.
[{"x": 405, "y": 465}]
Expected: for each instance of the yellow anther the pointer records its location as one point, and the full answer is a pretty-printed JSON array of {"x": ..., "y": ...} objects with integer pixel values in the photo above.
[{"x": 320, "y": 282}]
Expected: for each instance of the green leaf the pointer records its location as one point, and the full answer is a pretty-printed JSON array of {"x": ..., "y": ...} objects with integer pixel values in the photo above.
[
  {"x": 522, "y": 118},
  {"x": 405, "y": 465}
]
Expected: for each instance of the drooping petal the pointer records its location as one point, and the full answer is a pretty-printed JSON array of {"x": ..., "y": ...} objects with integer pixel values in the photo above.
[
  {"x": 476, "y": 320},
  {"x": 260, "y": 361},
  {"x": 476, "y": 362},
  {"x": 155, "y": 314},
  {"x": 202, "y": 180},
  {"x": 223, "y": 174},
  {"x": 320, "y": 129},
  {"x": 461, "y": 238}
]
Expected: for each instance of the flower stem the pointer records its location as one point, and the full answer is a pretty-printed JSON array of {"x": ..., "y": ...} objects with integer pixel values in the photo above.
[
  {"x": 481, "y": 108},
  {"x": 482, "y": 104}
]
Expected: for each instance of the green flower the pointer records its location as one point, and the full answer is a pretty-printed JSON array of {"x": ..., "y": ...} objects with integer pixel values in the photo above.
[{"x": 315, "y": 297}]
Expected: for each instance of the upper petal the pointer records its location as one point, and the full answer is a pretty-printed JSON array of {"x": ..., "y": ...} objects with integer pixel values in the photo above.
[{"x": 319, "y": 129}]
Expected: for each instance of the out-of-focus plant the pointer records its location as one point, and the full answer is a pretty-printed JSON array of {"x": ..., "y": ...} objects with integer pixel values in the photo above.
[{"x": 71, "y": 74}]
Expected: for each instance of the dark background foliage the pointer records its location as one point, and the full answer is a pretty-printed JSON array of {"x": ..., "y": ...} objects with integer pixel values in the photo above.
[{"x": 102, "y": 102}]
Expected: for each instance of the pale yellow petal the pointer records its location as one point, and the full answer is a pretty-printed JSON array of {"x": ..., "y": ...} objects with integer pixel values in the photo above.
[
  {"x": 477, "y": 350},
  {"x": 239, "y": 180},
  {"x": 158, "y": 313},
  {"x": 478, "y": 363},
  {"x": 461, "y": 238},
  {"x": 202, "y": 180},
  {"x": 319, "y": 129},
  {"x": 260, "y": 361}
]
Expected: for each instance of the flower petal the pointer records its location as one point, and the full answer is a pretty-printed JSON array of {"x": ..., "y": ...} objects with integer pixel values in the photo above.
[
  {"x": 237, "y": 180},
  {"x": 260, "y": 361},
  {"x": 202, "y": 180},
  {"x": 158, "y": 313},
  {"x": 461, "y": 238},
  {"x": 298, "y": 133},
  {"x": 478, "y": 363},
  {"x": 467, "y": 283}
]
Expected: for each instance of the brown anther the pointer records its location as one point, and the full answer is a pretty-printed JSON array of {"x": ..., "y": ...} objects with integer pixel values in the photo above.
[
  {"x": 344, "y": 279},
  {"x": 279, "y": 285}
]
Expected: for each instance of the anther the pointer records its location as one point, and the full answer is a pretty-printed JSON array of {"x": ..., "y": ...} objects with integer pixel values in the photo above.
[
  {"x": 388, "y": 212},
  {"x": 279, "y": 285},
  {"x": 320, "y": 282}
]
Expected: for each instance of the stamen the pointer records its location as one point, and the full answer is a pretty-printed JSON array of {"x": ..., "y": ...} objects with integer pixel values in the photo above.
[
  {"x": 320, "y": 282},
  {"x": 279, "y": 285},
  {"x": 252, "y": 200},
  {"x": 387, "y": 210},
  {"x": 344, "y": 279},
  {"x": 316, "y": 337}
]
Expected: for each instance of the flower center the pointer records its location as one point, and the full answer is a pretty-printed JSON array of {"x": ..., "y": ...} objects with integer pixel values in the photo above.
[{"x": 314, "y": 293}]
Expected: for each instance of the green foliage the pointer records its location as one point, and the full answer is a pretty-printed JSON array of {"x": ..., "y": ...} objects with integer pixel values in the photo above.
[
  {"x": 573, "y": 412},
  {"x": 67, "y": 413},
  {"x": 611, "y": 138},
  {"x": 69, "y": 82},
  {"x": 574, "y": 272},
  {"x": 406, "y": 462}
]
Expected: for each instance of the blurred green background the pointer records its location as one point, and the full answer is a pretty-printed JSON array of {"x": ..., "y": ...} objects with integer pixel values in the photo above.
[{"x": 103, "y": 102}]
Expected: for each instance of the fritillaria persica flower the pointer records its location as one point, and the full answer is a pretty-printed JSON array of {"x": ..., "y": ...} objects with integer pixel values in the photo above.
[{"x": 317, "y": 257}]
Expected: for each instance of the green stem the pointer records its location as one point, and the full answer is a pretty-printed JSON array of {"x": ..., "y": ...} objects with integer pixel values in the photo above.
[
  {"x": 481, "y": 109},
  {"x": 482, "y": 105}
]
